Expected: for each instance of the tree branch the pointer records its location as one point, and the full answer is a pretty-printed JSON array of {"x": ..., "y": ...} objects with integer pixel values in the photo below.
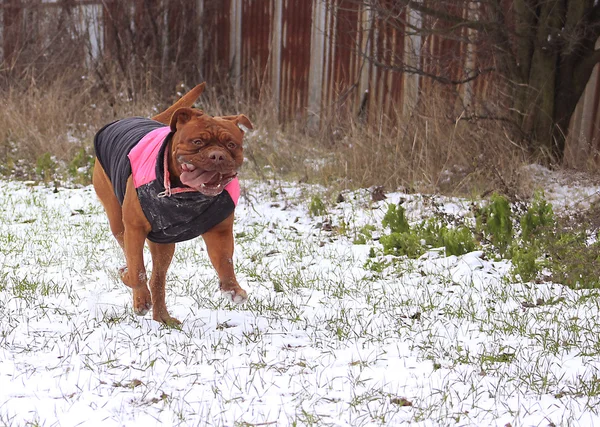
[
  {"x": 448, "y": 17},
  {"x": 419, "y": 71},
  {"x": 501, "y": 37}
]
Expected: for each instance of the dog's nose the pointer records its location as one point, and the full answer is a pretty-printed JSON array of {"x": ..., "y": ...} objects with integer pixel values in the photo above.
[{"x": 216, "y": 156}]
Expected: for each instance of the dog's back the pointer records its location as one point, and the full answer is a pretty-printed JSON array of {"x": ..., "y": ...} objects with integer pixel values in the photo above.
[{"x": 113, "y": 143}]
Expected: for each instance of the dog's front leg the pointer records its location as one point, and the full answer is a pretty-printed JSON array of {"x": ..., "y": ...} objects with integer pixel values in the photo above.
[
  {"x": 136, "y": 229},
  {"x": 219, "y": 244},
  {"x": 162, "y": 254}
]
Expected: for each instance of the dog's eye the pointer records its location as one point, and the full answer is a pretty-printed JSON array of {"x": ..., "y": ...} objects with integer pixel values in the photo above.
[
  {"x": 198, "y": 142},
  {"x": 231, "y": 145}
]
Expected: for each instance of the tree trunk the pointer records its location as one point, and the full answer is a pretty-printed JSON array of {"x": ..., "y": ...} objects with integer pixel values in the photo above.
[
  {"x": 541, "y": 82},
  {"x": 543, "y": 50},
  {"x": 556, "y": 58},
  {"x": 578, "y": 58}
]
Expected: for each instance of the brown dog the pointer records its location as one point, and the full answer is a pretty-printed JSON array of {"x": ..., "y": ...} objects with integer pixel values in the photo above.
[{"x": 166, "y": 184}]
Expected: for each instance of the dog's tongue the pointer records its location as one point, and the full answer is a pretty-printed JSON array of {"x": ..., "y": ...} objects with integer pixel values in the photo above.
[{"x": 196, "y": 178}]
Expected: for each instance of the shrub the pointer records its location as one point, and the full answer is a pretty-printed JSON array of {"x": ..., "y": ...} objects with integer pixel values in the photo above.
[
  {"x": 560, "y": 245},
  {"x": 45, "y": 167},
  {"x": 458, "y": 241},
  {"x": 395, "y": 219},
  {"x": 495, "y": 222},
  {"x": 573, "y": 261},
  {"x": 364, "y": 235},
  {"x": 525, "y": 262},
  {"x": 430, "y": 230},
  {"x": 563, "y": 246},
  {"x": 538, "y": 219},
  {"x": 537, "y": 234},
  {"x": 413, "y": 242},
  {"x": 316, "y": 207},
  {"x": 81, "y": 166},
  {"x": 407, "y": 243}
]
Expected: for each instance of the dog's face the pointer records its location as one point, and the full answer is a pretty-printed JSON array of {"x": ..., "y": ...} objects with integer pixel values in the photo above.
[{"x": 207, "y": 151}]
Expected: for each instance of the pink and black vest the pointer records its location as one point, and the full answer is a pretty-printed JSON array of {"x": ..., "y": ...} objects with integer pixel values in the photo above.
[{"x": 137, "y": 147}]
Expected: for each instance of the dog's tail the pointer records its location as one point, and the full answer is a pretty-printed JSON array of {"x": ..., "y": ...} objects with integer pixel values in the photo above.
[{"x": 186, "y": 100}]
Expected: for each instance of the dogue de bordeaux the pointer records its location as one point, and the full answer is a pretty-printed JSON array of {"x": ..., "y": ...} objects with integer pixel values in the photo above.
[{"x": 166, "y": 180}]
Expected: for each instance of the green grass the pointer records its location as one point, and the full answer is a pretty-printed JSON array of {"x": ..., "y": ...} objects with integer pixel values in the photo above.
[{"x": 335, "y": 331}]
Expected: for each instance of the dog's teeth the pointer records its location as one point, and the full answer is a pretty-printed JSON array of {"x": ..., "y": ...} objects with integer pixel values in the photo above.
[{"x": 188, "y": 167}]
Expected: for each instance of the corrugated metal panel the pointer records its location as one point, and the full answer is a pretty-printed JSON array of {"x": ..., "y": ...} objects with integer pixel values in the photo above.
[
  {"x": 182, "y": 38},
  {"x": 215, "y": 24},
  {"x": 257, "y": 19},
  {"x": 344, "y": 65},
  {"x": 111, "y": 13},
  {"x": 387, "y": 44},
  {"x": 443, "y": 56},
  {"x": 295, "y": 57},
  {"x": 307, "y": 53}
]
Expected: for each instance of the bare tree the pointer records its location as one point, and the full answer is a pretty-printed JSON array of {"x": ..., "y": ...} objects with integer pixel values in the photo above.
[{"x": 542, "y": 52}]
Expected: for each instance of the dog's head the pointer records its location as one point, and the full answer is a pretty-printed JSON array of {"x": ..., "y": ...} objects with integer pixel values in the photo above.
[{"x": 206, "y": 151}]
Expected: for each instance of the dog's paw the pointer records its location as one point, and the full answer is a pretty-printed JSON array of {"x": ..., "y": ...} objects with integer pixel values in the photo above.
[
  {"x": 142, "y": 310},
  {"x": 237, "y": 297},
  {"x": 142, "y": 301},
  {"x": 161, "y": 315},
  {"x": 168, "y": 321}
]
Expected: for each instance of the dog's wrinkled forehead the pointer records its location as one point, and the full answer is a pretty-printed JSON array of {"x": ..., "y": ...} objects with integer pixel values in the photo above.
[
  {"x": 213, "y": 132},
  {"x": 210, "y": 128}
]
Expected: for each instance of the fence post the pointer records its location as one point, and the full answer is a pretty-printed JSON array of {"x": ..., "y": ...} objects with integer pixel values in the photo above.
[
  {"x": 200, "y": 14},
  {"x": 92, "y": 19},
  {"x": 316, "y": 74},
  {"x": 235, "y": 41},
  {"x": 412, "y": 55},
  {"x": 365, "y": 26},
  {"x": 276, "y": 52}
]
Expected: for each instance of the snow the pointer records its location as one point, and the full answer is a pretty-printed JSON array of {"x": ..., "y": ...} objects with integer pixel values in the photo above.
[{"x": 323, "y": 339}]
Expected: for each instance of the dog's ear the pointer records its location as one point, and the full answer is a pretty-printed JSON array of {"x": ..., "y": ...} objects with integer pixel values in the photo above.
[
  {"x": 240, "y": 119},
  {"x": 182, "y": 116}
]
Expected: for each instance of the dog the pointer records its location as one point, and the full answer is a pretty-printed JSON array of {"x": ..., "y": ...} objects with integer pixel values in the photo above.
[{"x": 169, "y": 179}]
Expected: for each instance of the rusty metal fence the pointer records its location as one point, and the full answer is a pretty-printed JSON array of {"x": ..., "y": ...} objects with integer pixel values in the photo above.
[{"x": 309, "y": 56}]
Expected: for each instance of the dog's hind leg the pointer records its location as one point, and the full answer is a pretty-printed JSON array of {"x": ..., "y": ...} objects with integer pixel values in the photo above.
[
  {"x": 162, "y": 254},
  {"x": 107, "y": 197},
  {"x": 132, "y": 275}
]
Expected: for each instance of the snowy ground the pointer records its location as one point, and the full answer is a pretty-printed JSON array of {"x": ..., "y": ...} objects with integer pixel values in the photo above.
[{"x": 325, "y": 339}]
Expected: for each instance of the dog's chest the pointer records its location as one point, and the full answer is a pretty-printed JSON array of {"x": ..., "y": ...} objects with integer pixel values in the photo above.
[{"x": 183, "y": 216}]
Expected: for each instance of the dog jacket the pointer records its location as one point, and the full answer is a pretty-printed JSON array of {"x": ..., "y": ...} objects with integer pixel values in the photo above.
[{"x": 137, "y": 147}]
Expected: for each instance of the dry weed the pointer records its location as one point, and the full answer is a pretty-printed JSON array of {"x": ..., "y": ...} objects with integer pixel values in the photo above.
[{"x": 426, "y": 151}]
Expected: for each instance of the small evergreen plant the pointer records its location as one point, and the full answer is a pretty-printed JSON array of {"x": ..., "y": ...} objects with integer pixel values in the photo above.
[{"x": 495, "y": 222}]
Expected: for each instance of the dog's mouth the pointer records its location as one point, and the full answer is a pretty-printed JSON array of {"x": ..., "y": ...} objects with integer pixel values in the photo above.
[{"x": 209, "y": 183}]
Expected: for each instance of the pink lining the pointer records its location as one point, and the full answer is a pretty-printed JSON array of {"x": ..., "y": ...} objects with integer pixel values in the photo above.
[
  {"x": 233, "y": 188},
  {"x": 143, "y": 156},
  {"x": 143, "y": 165}
]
